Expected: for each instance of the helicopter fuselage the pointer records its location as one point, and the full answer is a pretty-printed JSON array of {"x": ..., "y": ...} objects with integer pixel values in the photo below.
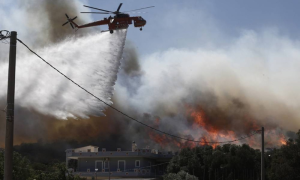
[
  {"x": 121, "y": 20},
  {"x": 124, "y": 22},
  {"x": 116, "y": 22}
]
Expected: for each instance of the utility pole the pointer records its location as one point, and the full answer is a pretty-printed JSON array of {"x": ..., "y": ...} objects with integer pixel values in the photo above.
[
  {"x": 9, "y": 136},
  {"x": 262, "y": 153}
]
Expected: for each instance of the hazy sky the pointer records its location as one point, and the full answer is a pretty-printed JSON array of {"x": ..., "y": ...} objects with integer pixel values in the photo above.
[{"x": 194, "y": 23}]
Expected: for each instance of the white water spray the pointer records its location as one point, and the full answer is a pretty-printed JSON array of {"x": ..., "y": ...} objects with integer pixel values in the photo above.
[{"x": 91, "y": 61}]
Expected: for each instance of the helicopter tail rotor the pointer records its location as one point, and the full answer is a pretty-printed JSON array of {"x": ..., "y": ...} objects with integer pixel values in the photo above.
[{"x": 70, "y": 21}]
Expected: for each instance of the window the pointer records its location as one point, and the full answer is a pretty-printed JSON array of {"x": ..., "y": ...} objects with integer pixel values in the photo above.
[
  {"x": 137, "y": 163},
  {"x": 89, "y": 150},
  {"x": 121, "y": 165},
  {"x": 106, "y": 165},
  {"x": 149, "y": 166},
  {"x": 99, "y": 165}
]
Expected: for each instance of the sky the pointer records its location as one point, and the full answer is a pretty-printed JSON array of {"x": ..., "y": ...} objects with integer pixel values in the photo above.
[{"x": 194, "y": 23}]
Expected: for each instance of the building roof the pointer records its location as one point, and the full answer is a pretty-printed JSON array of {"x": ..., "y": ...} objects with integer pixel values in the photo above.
[
  {"x": 87, "y": 146},
  {"x": 82, "y": 147}
]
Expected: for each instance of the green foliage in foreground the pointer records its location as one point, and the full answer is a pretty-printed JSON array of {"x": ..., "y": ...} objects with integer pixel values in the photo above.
[
  {"x": 181, "y": 175},
  {"x": 229, "y": 162},
  {"x": 225, "y": 162},
  {"x": 23, "y": 169}
]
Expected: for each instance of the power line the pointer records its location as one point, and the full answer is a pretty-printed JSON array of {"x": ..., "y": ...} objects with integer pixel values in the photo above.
[
  {"x": 124, "y": 114},
  {"x": 126, "y": 170},
  {"x": 183, "y": 157}
]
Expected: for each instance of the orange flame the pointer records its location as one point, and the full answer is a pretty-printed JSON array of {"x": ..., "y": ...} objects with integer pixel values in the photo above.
[
  {"x": 209, "y": 133},
  {"x": 282, "y": 140}
]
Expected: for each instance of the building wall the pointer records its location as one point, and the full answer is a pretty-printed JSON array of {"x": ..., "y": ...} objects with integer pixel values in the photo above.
[{"x": 89, "y": 163}]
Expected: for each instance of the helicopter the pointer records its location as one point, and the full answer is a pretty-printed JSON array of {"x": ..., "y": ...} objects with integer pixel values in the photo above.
[{"x": 120, "y": 20}]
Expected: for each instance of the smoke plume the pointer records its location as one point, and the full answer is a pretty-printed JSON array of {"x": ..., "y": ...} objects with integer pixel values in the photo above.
[
  {"x": 90, "y": 58},
  {"x": 219, "y": 94},
  {"x": 208, "y": 94}
]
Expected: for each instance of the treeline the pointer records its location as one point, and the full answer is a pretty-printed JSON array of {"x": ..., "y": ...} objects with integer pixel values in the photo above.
[
  {"x": 23, "y": 169},
  {"x": 236, "y": 162},
  {"x": 227, "y": 162}
]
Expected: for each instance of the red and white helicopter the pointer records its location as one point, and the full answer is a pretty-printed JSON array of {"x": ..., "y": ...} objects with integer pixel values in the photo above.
[{"x": 121, "y": 20}]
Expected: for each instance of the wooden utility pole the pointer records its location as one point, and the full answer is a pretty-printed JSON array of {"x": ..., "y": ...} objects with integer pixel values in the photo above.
[
  {"x": 9, "y": 136},
  {"x": 262, "y": 153}
]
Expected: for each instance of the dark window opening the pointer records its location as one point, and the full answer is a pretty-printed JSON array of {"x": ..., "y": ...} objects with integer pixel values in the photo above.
[{"x": 137, "y": 163}]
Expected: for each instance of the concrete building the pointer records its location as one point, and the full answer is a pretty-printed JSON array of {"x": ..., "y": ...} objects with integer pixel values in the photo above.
[{"x": 91, "y": 162}]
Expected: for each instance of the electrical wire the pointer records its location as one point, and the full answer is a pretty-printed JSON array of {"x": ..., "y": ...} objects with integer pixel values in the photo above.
[
  {"x": 124, "y": 114},
  {"x": 126, "y": 170},
  {"x": 139, "y": 168}
]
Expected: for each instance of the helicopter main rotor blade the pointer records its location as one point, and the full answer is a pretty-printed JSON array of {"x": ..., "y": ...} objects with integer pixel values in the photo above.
[
  {"x": 119, "y": 8},
  {"x": 67, "y": 16},
  {"x": 137, "y": 12},
  {"x": 72, "y": 25},
  {"x": 140, "y": 8},
  {"x": 96, "y": 12},
  {"x": 65, "y": 23},
  {"x": 97, "y": 9}
]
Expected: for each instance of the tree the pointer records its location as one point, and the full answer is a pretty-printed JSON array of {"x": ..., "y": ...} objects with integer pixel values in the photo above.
[
  {"x": 181, "y": 175},
  {"x": 21, "y": 166},
  {"x": 23, "y": 169},
  {"x": 227, "y": 162},
  {"x": 284, "y": 163}
]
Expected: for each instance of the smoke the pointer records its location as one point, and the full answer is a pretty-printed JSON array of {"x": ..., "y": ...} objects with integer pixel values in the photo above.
[
  {"x": 91, "y": 61},
  {"x": 44, "y": 97},
  {"x": 130, "y": 72},
  {"x": 210, "y": 94},
  {"x": 131, "y": 64},
  {"x": 215, "y": 94},
  {"x": 44, "y": 19},
  {"x": 220, "y": 93}
]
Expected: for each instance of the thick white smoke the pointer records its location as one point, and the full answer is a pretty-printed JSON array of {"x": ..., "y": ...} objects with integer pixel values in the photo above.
[
  {"x": 92, "y": 61},
  {"x": 256, "y": 76}
]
